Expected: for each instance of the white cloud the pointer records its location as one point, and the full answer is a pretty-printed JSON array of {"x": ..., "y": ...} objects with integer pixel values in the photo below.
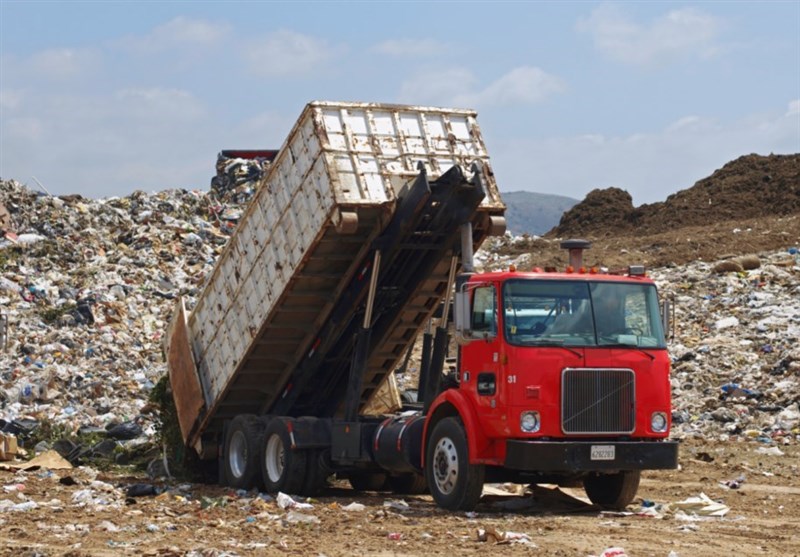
[
  {"x": 411, "y": 47},
  {"x": 60, "y": 63},
  {"x": 286, "y": 52},
  {"x": 684, "y": 124},
  {"x": 679, "y": 33},
  {"x": 437, "y": 87},
  {"x": 650, "y": 166},
  {"x": 457, "y": 87},
  {"x": 178, "y": 32},
  {"x": 157, "y": 103},
  {"x": 525, "y": 85},
  {"x": 133, "y": 138},
  {"x": 25, "y": 128},
  {"x": 10, "y": 99},
  {"x": 794, "y": 108},
  {"x": 265, "y": 130}
]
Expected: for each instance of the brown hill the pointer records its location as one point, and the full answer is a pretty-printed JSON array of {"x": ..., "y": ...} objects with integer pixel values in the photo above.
[
  {"x": 749, "y": 187},
  {"x": 751, "y": 204}
]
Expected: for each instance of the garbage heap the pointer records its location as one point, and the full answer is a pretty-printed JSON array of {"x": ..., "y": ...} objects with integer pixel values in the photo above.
[
  {"x": 86, "y": 289},
  {"x": 736, "y": 359}
]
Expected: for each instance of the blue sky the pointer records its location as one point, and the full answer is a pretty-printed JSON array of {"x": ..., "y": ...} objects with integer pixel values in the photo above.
[{"x": 103, "y": 98}]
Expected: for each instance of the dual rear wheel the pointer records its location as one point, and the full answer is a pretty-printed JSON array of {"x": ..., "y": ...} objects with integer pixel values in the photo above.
[{"x": 262, "y": 455}]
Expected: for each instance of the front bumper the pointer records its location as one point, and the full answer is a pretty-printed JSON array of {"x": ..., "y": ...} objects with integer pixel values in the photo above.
[{"x": 576, "y": 456}]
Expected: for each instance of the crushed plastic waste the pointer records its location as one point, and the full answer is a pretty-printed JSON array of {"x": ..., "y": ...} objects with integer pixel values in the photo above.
[
  {"x": 397, "y": 505},
  {"x": 294, "y": 517},
  {"x": 237, "y": 176},
  {"x": 735, "y": 483},
  {"x": 286, "y": 502},
  {"x": 499, "y": 537},
  {"x": 702, "y": 506}
]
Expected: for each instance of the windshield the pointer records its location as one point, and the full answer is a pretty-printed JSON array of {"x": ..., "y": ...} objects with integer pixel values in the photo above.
[{"x": 579, "y": 313}]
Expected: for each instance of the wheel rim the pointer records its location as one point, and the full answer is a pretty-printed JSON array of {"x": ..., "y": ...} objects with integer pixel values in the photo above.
[
  {"x": 445, "y": 466},
  {"x": 237, "y": 454},
  {"x": 274, "y": 458}
]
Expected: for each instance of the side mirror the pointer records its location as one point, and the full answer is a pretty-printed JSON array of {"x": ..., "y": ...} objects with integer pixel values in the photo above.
[
  {"x": 463, "y": 315},
  {"x": 466, "y": 329},
  {"x": 666, "y": 309}
]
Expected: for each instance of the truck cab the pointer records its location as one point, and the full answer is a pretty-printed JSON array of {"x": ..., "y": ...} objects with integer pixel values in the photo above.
[{"x": 563, "y": 377}]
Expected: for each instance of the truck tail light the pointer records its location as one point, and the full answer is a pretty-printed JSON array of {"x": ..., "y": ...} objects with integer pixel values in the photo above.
[{"x": 529, "y": 421}]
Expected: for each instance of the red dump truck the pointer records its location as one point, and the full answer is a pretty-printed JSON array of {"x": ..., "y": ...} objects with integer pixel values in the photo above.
[{"x": 360, "y": 235}]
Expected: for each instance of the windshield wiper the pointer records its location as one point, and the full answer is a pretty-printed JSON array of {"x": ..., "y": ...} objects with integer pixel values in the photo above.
[
  {"x": 552, "y": 342},
  {"x": 626, "y": 345}
]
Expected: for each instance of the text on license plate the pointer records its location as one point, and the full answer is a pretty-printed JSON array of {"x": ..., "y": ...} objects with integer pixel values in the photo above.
[{"x": 602, "y": 452}]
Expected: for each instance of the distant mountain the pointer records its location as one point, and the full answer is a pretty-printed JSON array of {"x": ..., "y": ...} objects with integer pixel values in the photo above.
[{"x": 534, "y": 213}]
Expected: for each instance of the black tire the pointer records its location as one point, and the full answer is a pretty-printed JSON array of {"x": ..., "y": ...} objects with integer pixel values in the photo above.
[
  {"x": 367, "y": 481},
  {"x": 407, "y": 484},
  {"x": 282, "y": 468},
  {"x": 317, "y": 472},
  {"x": 455, "y": 484},
  {"x": 241, "y": 452},
  {"x": 612, "y": 491}
]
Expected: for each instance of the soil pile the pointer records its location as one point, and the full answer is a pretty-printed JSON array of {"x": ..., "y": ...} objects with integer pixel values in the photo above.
[{"x": 749, "y": 187}]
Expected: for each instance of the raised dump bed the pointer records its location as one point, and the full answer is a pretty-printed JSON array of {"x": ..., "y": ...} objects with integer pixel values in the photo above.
[{"x": 330, "y": 192}]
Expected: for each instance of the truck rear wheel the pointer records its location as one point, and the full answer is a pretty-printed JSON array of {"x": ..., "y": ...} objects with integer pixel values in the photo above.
[
  {"x": 282, "y": 468},
  {"x": 612, "y": 491},
  {"x": 242, "y": 446},
  {"x": 455, "y": 484}
]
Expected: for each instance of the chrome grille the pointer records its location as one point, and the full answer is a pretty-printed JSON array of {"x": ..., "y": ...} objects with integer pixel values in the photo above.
[{"x": 598, "y": 401}]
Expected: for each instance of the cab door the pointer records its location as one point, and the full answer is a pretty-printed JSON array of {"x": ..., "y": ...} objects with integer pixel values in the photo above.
[{"x": 481, "y": 375}]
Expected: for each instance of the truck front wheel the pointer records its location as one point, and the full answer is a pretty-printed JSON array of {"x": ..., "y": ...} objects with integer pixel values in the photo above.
[
  {"x": 242, "y": 444},
  {"x": 282, "y": 468},
  {"x": 455, "y": 484},
  {"x": 612, "y": 491}
]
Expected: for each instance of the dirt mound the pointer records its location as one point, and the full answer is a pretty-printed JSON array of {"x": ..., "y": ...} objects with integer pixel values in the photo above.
[
  {"x": 749, "y": 187},
  {"x": 750, "y": 205}
]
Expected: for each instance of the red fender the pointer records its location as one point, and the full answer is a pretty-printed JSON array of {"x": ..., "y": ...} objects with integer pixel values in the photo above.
[{"x": 479, "y": 445}]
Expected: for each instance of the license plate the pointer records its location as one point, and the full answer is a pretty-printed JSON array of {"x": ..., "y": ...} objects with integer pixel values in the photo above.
[{"x": 602, "y": 452}]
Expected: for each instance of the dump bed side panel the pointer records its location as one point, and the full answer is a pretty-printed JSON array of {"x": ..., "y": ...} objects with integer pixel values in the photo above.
[
  {"x": 289, "y": 259},
  {"x": 182, "y": 371}
]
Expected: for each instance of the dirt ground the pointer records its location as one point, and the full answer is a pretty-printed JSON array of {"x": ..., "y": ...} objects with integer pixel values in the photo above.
[
  {"x": 711, "y": 242},
  {"x": 95, "y": 519}
]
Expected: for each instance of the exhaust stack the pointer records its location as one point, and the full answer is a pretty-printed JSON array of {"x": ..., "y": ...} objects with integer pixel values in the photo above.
[{"x": 576, "y": 248}]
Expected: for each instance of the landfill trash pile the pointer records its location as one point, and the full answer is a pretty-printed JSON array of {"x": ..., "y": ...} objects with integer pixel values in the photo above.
[
  {"x": 736, "y": 360},
  {"x": 238, "y": 176},
  {"x": 87, "y": 287}
]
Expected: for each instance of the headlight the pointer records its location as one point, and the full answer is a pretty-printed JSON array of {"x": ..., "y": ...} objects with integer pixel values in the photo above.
[
  {"x": 529, "y": 421},
  {"x": 658, "y": 422}
]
